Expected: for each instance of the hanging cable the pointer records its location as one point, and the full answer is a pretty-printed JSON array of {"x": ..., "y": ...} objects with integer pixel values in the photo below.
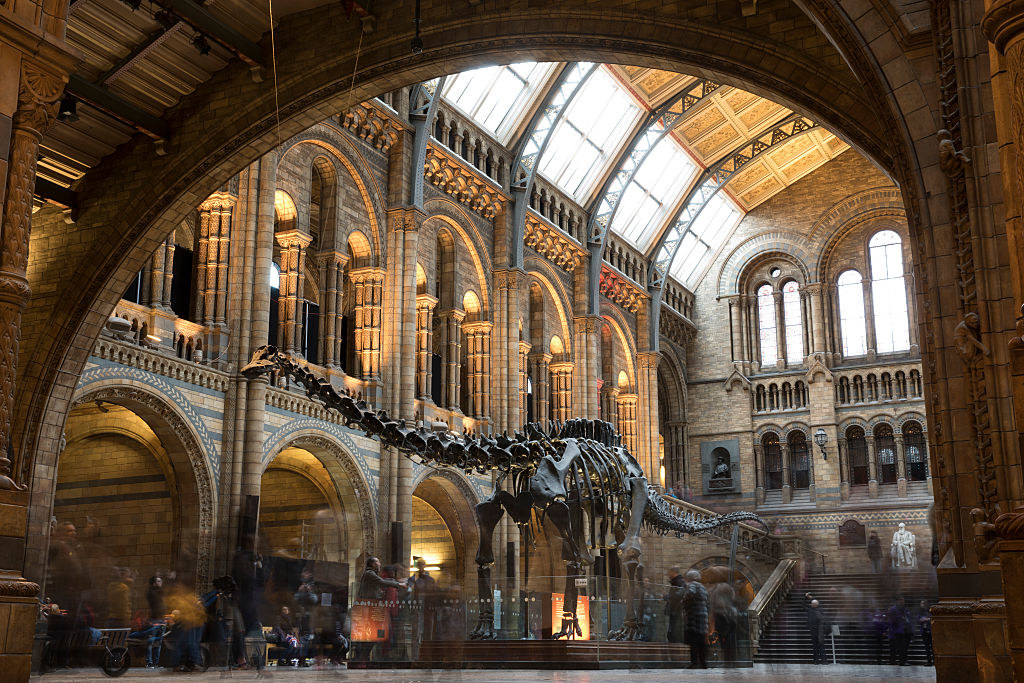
[{"x": 273, "y": 62}]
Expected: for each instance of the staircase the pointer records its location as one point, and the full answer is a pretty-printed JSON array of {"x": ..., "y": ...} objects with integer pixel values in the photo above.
[{"x": 849, "y": 601}]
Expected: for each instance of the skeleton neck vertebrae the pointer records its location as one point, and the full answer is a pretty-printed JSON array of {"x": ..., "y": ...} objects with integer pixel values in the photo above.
[{"x": 577, "y": 474}]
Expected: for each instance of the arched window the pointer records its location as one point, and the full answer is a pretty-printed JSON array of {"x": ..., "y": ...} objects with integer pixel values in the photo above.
[
  {"x": 844, "y": 390},
  {"x": 799, "y": 461},
  {"x": 913, "y": 444},
  {"x": 851, "y": 314},
  {"x": 275, "y": 287},
  {"x": 857, "y": 452},
  {"x": 766, "y": 323},
  {"x": 772, "y": 461},
  {"x": 885, "y": 451},
  {"x": 792, "y": 320},
  {"x": 889, "y": 292}
]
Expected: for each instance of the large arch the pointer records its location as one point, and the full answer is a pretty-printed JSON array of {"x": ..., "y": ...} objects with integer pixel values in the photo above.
[
  {"x": 348, "y": 478},
  {"x": 214, "y": 138},
  {"x": 453, "y": 498},
  {"x": 186, "y": 453}
]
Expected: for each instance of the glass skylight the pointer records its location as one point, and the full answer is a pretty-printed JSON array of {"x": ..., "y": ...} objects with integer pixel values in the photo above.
[
  {"x": 594, "y": 126},
  {"x": 704, "y": 235},
  {"x": 656, "y": 187},
  {"x": 497, "y": 96}
]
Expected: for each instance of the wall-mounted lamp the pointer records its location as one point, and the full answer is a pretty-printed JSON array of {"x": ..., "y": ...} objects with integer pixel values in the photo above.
[{"x": 821, "y": 438}]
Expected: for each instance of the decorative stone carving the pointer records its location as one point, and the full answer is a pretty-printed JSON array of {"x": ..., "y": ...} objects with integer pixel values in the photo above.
[
  {"x": 450, "y": 175},
  {"x": 550, "y": 243},
  {"x": 985, "y": 537},
  {"x": 620, "y": 290},
  {"x": 675, "y": 327},
  {"x": 368, "y": 123}
]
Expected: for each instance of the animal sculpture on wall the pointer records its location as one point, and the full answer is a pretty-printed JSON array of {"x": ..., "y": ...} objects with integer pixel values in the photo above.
[{"x": 575, "y": 473}]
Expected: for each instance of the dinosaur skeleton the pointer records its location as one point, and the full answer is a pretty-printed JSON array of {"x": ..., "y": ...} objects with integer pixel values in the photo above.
[{"x": 577, "y": 474}]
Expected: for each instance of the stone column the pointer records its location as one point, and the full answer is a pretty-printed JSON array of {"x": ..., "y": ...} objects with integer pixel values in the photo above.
[
  {"x": 647, "y": 413},
  {"x": 814, "y": 291},
  {"x": 915, "y": 341},
  {"x": 561, "y": 390},
  {"x": 524, "y": 373},
  {"x": 585, "y": 397},
  {"x": 780, "y": 330},
  {"x": 332, "y": 278},
  {"x": 289, "y": 304},
  {"x": 1009, "y": 530},
  {"x": 869, "y": 319},
  {"x": 424, "y": 343},
  {"x": 609, "y": 404},
  {"x": 844, "y": 469},
  {"x": 477, "y": 337},
  {"x": 368, "y": 320},
  {"x": 450, "y": 331},
  {"x": 736, "y": 326},
  {"x": 872, "y": 466},
  {"x": 901, "y": 466},
  {"x": 627, "y": 404},
  {"x": 540, "y": 371},
  {"x": 33, "y": 111},
  {"x": 760, "y": 473},
  {"x": 156, "y": 287},
  {"x": 787, "y": 487}
]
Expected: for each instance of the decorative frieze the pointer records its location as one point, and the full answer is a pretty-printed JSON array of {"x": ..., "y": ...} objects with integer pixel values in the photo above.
[
  {"x": 675, "y": 327},
  {"x": 550, "y": 243},
  {"x": 369, "y": 123},
  {"x": 451, "y": 175},
  {"x": 620, "y": 290}
]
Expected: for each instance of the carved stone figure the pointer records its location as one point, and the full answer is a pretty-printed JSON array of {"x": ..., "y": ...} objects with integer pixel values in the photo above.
[
  {"x": 577, "y": 474},
  {"x": 722, "y": 476},
  {"x": 985, "y": 538},
  {"x": 967, "y": 338},
  {"x": 903, "y": 550},
  {"x": 951, "y": 160}
]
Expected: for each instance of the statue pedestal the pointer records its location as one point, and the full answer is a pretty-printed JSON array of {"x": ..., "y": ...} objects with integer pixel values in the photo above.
[{"x": 18, "y": 609}]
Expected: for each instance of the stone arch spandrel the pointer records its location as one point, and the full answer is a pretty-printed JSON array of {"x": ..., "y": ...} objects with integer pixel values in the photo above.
[{"x": 764, "y": 246}]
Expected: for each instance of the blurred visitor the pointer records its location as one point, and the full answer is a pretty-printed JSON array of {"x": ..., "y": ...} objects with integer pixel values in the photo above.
[
  {"x": 900, "y": 632},
  {"x": 817, "y": 625},
  {"x": 875, "y": 552},
  {"x": 424, "y": 591},
  {"x": 725, "y": 616},
  {"x": 287, "y": 636},
  {"x": 695, "y": 602},
  {"x": 155, "y": 597},
  {"x": 674, "y": 606},
  {"x": 119, "y": 599},
  {"x": 924, "y": 621}
]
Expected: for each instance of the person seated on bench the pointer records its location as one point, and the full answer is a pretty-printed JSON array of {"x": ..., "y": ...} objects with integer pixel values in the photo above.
[{"x": 287, "y": 634}]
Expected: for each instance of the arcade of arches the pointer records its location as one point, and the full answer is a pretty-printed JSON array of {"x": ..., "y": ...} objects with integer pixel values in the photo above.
[{"x": 777, "y": 245}]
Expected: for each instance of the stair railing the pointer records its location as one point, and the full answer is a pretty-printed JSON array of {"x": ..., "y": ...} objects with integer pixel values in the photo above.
[
  {"x": 751, "y": 539},
  {"x": 768, "y": 600}
]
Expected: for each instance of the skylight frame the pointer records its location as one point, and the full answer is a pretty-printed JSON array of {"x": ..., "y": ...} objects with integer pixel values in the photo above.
[
  {"x": 521, "y": 103},
  {"x": 697, "y": 252}
]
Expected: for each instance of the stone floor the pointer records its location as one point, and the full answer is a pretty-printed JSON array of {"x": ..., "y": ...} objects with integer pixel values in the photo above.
[{"x": 761, "y": 673}]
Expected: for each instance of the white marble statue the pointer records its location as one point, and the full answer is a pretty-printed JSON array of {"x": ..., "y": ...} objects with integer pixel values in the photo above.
[{"x": 904, "y": 550}]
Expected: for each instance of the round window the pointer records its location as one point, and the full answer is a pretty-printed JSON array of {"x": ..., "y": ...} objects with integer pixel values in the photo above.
[{"x": 775, "y": 272}]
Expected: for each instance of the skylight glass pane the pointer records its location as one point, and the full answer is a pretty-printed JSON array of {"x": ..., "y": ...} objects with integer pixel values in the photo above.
[
  {"x": 711, "y": 227},
  {"x": 654, "y": 190},
  {"x": 594, "y": 126},
  {"x": 496, "y": 96}
]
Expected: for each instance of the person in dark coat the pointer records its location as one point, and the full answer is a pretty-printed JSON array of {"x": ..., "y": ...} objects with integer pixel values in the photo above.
[
  {"x": 155, "y": 598},
  {"x": 674, "y": 605},
  {"x": 924, "y": 621},
  {"x": 875, "y": 552},
  {"x": 372, "y": 585},
  {"x": 816, "y": 624},
  {"x": 900, "y": 631},
  {"x": 695, "y": 602},
  {"x": 725, "y": 616}
]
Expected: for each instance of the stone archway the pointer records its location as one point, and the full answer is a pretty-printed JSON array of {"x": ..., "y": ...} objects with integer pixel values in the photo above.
[
  {"x": 187, "y": 455},
  {"x": 453, "y": 499}
]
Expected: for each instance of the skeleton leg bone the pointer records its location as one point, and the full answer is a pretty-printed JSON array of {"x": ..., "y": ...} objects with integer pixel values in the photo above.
[
  {"x": 559, "y": 515},
  {"x": 630, "y": 553},
  {"x": 488, "y": 514}
]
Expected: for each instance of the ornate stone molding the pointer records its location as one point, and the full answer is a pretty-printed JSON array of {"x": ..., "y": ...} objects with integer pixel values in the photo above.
[
  {"x": 675, "y": 327},
  {"x": 508, "y": 279},
  {"x": 620, "y": 290},
  {"x": 160, "y": 364},
  {"x": 450, "y": 174},
  {"x": 14, "y": 588},
  {"x": 1010, "y": 525},
  {"x": 369, "y": 123},
  {"x": 550, "y": 243}
]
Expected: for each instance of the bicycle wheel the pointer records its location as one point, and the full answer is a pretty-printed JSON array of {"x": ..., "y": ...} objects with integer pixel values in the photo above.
[{"x": 115, "y": 661}]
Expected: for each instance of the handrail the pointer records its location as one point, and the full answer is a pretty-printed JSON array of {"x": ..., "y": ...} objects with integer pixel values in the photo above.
[
  {"x": 767, "y": 601},
  {"x": 752, "y": 538}
]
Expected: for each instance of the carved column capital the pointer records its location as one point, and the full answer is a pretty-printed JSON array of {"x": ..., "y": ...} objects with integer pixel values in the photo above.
[
  {"x": 588, "y": 324},
  {"x": 330, "y": 257},
  {"x": 509, "y": 279},
  {"x": 293, "y": 238},
  {"x": 425, "y": 302},
  {"x": 648, "y": 359},
  {"x": 38, "y": 93},
  {"x": 1003, "y": 22}
]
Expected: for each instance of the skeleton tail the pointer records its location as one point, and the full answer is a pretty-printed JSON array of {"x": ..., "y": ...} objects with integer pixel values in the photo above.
[{"x": 663, "y": 518}]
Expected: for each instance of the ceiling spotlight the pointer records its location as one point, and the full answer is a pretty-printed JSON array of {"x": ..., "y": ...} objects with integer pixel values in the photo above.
[
  {"x": 200, "y": 43},
  {"x": 68, "y": 111}
]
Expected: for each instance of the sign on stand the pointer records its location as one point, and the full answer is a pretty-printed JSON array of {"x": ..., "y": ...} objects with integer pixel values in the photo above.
[{"x": 582, "y": 613}]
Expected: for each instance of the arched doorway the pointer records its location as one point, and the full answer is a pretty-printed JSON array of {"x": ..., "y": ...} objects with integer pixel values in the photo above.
[
  {"x": 444, "y": 531},
  {"x": 132, "y": 469}
]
